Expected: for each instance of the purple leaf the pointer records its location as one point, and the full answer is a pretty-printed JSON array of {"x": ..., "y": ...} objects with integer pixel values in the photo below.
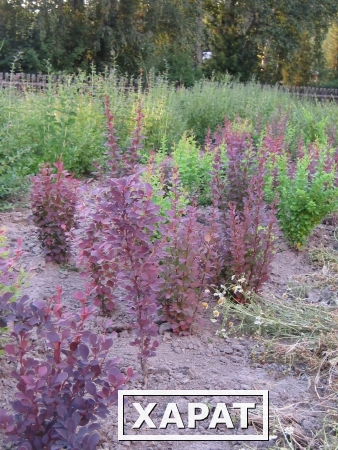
[
  {"x": 10, "y": 349},
  {"x": 52, "y": 336},
  {"x": 71, "y": 425},
  {"x": 91, "y": 388},
  {"x": 84, "y": 351},
  {"x": 61, "y": 378},
  {"x": 93, "y": 441},
  {"x": 42, "y": 371}
]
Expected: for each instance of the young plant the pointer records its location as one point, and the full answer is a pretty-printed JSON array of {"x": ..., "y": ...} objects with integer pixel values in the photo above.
[
  {"x": 251, "y": 236},
  {"x": 194, "y": 167},
  {"x": 90, "y": 257},
  {"x": 10, "y": 280},
  {"x": 126, "y": 254},
  {"x": 190, "y": 264},
  {"x": 132, "y": 155},
  {"x": 306, "y": 192},
  {"x": 123, "y": 163},
  {"x": 53, "y": 199},
  {"x": 274, "y": 140},
  {"x": 60, "y": 397},
  {"x": 248, "y": 233},
  {"x": 158, "y": 175},
  {"x": 235, "y": 164},
  {"x": 273, "y": 144}
]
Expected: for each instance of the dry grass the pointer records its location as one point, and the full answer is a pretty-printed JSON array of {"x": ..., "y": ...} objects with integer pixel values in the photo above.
[
  {"x": 304, "y": 338},
  {"x": 286, "y": 433}
]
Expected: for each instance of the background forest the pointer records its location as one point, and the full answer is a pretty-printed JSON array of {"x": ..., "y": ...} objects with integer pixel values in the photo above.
[{"x": 284, "y": 41}]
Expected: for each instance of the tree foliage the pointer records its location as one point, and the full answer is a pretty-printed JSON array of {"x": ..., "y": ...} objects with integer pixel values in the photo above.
[
  {"x": 330, "y": 47},
  {"x": 255, "y": 37},
  {"x": 259, "y": 37}
]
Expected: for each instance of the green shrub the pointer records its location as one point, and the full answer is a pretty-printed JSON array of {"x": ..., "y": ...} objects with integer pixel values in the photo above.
[
  {"x": 195, "y": 167},
  {"x": 306, "y": 192},
  {"x": 68, "y": 119},
  {"x": 12, "y": 176}
]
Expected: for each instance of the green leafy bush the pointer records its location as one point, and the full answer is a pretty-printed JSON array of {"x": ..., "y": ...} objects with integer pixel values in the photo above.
[
  {"x": 306, "y": 191},
  {"x": 68, "y": 119},
  {"x": 13, "y": 173},
  {"x": 195, "y": 167}
]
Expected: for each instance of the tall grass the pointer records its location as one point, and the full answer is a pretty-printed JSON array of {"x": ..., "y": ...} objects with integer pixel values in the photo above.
[{"x": 68, "y": 119}]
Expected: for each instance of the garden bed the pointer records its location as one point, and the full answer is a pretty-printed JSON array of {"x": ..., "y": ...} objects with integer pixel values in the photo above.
[{"x": 200, "y": 361}]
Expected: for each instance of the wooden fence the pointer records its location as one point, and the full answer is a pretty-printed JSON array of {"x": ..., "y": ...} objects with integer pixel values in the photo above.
[
  {"x": 320, "y": 93},
  {"x": 40, "y": 82},
  {"x": 22, "y": 80}
]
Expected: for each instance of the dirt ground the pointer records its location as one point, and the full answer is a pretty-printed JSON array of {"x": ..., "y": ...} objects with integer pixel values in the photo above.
[{"x": 202, "y": 361}]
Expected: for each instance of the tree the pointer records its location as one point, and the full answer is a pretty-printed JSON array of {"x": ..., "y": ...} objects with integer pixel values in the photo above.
[
  {"x": 18, "y": 37},
  {"x": 264, "y": 38},
  {"x": 63, "y": 29},
  {"x": 174, "y": 35},
  {"x": 330, "y": 48},
  {"x": 245, "y": 34},
  {"x": 298, "y": 69}
]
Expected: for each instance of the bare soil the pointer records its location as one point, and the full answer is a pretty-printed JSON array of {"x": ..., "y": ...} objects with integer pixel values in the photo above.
[{"x": 200, "y": 361}]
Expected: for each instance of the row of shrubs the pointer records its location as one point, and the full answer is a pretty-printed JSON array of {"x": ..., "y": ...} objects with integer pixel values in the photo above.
[
  {"x": 69, "y": 119},
  {"x": 157, "y": 236}
]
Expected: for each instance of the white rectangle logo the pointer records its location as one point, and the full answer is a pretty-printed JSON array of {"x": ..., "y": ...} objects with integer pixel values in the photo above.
[{"x": 185, "y": 417}]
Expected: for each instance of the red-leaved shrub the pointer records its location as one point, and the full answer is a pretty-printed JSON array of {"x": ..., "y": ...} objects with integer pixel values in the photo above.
[
  {"x": 248, "y": 226},
  {"x": 53, "y": 199},
  {"x": 122, "y": 163},
  {"x": 120, "y": 252},
  {"x": 90, "y": 258},
  {"x": 190, "y": 263},
  {"x": 250, "y": 236},
  {"x": 234, "y": 169},
  {"x": 61, "y": 395}
]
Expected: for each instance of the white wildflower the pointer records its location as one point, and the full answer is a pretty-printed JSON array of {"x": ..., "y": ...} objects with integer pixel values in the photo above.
[
  {"x": 288, "y": 430},
  {"x": 237, "y": 288}
]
